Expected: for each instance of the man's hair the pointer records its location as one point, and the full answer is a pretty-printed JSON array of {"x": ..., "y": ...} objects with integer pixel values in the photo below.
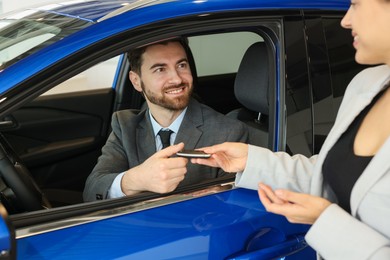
[{"x": 135, "y": 55}]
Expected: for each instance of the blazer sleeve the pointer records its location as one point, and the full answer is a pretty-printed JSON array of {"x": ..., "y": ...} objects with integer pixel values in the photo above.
[
  {"x": 278, "y": 169},
  {"x": 112, "y": 162},
  {"x": 338, "y": 235},
  {"x": 239, "y": 132}
]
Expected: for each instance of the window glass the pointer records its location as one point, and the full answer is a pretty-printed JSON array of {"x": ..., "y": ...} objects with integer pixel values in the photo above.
[
  {"x": 99, "y": 76},
  {"x": 338, "y": 55},
  {"x": 217, "y": 58},
  {"x": 321, "y": 91},
  {"x": 220, "y": 53},
  {"x": 297, "y": 94},
  {"x": 343, "y": 66}
]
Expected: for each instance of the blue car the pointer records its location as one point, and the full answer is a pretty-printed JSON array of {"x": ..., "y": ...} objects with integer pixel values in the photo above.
[{"x": 279, "y": 66}]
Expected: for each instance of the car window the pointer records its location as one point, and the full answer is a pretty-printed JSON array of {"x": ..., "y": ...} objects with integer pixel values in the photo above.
[
  {"x": 217, "y": 67},
  {"x": 211, "y": 59},
  {"x": 341, "y": 68},
  {"x": 314, "y": 94},
  {"x": 297, "y": 93},
  {"x": 100, "y": 76}
]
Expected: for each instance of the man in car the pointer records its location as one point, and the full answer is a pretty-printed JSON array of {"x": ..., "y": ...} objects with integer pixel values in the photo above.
[{"x": 134, "y": 158}]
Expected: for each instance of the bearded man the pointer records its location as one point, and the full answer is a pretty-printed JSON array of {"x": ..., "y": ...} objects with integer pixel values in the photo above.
[{"x": 136, "y": 157}]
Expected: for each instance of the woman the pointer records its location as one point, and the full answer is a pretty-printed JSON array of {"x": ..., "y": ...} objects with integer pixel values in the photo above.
[{"x": 344, "y": 191}]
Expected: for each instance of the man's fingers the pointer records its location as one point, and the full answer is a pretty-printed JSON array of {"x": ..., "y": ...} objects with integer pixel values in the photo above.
[
  {"x": 177, "y": 172},
  {"x": 169, "y": 151}
]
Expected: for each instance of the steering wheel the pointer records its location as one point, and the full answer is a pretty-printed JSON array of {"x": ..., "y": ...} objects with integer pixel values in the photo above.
[{"x": 18, "y": 190}]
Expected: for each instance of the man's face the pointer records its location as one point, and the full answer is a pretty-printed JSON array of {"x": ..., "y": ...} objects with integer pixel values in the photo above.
[{"x": 166, "y": 78}]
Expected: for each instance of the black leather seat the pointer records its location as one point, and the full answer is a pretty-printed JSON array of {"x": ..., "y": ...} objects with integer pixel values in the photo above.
[{"x": 251, "y": 88}]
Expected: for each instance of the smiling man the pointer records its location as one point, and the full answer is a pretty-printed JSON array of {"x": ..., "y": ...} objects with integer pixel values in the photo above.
[{"x": 136, "y": 157}]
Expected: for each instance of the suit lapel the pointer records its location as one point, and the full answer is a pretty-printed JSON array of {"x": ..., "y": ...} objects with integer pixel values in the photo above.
[
  {"x": 146, "y": 144},
  {"x": 189, "y": 131},
  {"x": 352, "y": 110}
]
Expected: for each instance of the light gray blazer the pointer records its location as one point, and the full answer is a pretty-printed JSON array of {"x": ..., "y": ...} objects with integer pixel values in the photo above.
[
  {"x": 132, "y": 141},
  {"x": 337, "y": 234}
]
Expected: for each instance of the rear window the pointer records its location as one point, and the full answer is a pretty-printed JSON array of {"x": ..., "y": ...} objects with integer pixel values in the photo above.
[{"x": 24, "y": 33}]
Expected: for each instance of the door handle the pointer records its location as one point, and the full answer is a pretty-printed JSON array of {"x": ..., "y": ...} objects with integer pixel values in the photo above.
[
  {"x": 6, "y": 123},
  {"x": 292, "y": 245}
]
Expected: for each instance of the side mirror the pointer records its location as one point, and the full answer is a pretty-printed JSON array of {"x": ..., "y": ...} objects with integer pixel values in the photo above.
[{"x": 7, "y": 236}]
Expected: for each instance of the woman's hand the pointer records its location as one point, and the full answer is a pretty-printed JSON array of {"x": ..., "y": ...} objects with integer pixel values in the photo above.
[
  {"x": 231, "y": 157},
  {"x": 296, "y": 207}
]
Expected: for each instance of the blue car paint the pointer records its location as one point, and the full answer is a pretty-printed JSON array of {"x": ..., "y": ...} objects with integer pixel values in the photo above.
[
  {"x": 185, "y": 7},
  {"x": 187, "y": 230},
  {"x": 5, "y": 235},
  {"x": 31, "y": 65}
]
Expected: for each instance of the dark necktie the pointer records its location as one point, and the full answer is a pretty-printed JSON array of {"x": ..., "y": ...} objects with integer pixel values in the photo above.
[{"x": 165, "y": 136}]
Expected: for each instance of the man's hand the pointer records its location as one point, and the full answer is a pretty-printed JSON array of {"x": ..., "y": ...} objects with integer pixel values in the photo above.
[
  {"x": 296, "y": 207},
  {"x": 159, "y": 173}
]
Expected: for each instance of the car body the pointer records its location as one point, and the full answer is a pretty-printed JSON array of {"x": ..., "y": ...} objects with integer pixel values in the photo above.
[{"x": 64, "y": 72}]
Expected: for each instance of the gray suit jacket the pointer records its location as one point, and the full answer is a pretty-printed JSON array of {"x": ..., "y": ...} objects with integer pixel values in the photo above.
[
  {"x": 132, "y": 141},
  {"x": 336, "y": 234}
]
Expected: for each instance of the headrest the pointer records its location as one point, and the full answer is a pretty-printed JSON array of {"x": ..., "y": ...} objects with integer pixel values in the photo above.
[{"x": 252, "y": 79}]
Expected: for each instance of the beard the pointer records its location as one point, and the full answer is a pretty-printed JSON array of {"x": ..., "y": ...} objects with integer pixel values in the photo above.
[{"x": 162, "y": 100}]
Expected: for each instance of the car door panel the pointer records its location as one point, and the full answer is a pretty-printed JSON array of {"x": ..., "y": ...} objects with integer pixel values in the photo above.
[
  {"x": 59, "y": 137},
  {"x": 235, "y": 220}
]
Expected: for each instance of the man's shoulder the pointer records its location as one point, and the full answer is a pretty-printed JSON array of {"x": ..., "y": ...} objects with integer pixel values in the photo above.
[
  {"x": 129, "y": 113},
  {"x": 373, "y": 76},
  {"x": 128, "y": 116},
  {"x": 210, "y": 114}
]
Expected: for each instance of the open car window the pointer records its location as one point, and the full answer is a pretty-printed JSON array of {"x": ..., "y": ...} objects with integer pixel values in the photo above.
[{"x": 60, "y": 133}]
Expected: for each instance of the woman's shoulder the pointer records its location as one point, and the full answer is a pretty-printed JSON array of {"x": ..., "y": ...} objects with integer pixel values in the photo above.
[
  {"x": 370, "y": 79},
  {"x": 376, "y": 73}
]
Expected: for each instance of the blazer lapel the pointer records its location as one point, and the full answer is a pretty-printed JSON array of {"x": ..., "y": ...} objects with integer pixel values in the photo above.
[
  {"x": 145, "y": 139},
  {"x": 356, "y": 99},
  {"x": 352, "y": 108},
  {"x": 364, "y": 94},
  {"x": 189, "y": 131},
  {"x": 375, "y": 170}
]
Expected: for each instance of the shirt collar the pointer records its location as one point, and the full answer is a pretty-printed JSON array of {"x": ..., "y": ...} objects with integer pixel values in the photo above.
[{"x": 174, "y": 126}]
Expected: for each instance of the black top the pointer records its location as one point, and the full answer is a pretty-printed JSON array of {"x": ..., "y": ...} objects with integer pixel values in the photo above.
[{"x": 342, "y": 167}]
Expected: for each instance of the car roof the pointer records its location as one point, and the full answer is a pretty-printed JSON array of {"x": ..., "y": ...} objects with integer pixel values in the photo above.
[{"x": 103, "y": 9}]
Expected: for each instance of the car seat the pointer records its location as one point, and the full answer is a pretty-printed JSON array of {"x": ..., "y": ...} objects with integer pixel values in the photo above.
[{"x": 251, "y": 88}]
